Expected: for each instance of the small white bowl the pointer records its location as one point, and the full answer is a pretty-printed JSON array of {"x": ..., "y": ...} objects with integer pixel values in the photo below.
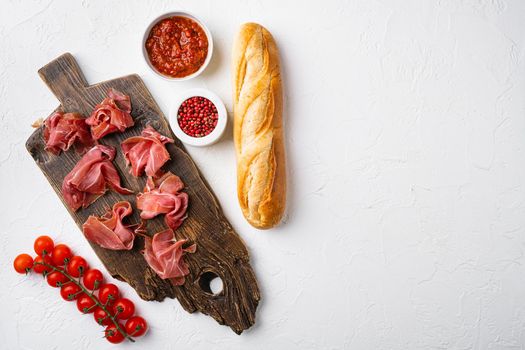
[
  {"x": 212, "y": 137},
  {"x": 181, "y": 14}
]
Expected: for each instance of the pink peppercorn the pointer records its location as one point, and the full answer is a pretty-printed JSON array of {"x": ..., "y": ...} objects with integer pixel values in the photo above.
[{"x": 197, "y": 116}]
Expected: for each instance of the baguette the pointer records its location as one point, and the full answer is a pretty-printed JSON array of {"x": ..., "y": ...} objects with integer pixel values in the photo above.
[{"x": 258, "y": 127}]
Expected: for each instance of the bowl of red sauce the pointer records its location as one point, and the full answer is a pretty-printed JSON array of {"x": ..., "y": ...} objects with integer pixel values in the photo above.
[
  {"x": 198, "y": 117},
  {"x": 177, "y": 46}
]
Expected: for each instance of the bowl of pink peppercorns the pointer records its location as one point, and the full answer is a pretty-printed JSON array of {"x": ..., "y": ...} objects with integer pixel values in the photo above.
[{"x": 198, "y": 117}]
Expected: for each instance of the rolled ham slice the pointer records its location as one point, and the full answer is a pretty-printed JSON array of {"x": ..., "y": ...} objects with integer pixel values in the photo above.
[
  {"x": 93, "y": 175},
  {"x": 146, "y": 152},
  {"x": 163, "y": 196},
  {"x": 108, "y": 231},
  {"x": 111, "y": 115},
  {"x": 165, "y": 255},
  {"x": 63, "y": 130}
]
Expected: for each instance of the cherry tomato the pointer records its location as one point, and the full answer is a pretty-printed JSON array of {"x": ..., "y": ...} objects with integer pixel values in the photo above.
[
  {"x": 85, "y": 304},
  {"x": 60, "y": 253},
  {"x": 23, "y": 263},
  {"x": 93, "y": 279},
  {"x": 101, "y": 317},
  {"x": 39, "y": 268},
  {"x": 77, "y": 266},
  {"x": 123, "y": 308},
  {"x": 70, "y": 292},
  {"x": 108, "y": 293},
  {"x": 113, "y": 335},
  {"x": 136, "y": 326},
  {"x": 56, "y": 279},
  {"x": 44, "y": 245}
]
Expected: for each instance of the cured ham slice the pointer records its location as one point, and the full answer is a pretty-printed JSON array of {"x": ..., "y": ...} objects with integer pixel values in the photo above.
[
  {"x": 108, "y": 231},
  {"x": 146, "y": 152},
  {"x": 163, "y": 196},
  {"x": 111, "y": 115},
  {"x": 165, "y": 255},
  {"x": 93, "y": 175},
  {"x": 62, "y": 130}
]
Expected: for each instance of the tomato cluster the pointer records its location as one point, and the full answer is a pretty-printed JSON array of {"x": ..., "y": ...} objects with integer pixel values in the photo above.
[{"x": 71, "y": 273}]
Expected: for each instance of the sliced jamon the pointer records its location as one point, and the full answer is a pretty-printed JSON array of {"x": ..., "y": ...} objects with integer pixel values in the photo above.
[
  {"x": 93, "y": 175},
  {"x": 62, "y": 130},
  {"x": 146, "y": 152},
  {"x": 108, "y": 231},
  {"x": 163, "y": 196},
  {"x": 165, "y": 255},
  {"x": 111, "y": 115}
]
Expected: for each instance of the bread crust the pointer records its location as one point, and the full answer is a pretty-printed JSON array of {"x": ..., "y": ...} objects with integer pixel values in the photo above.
[{"x": 258, "y": 126}]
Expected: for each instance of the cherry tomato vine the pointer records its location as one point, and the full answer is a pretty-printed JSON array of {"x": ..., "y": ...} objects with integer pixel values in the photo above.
[{"x": 71, "y": 274}]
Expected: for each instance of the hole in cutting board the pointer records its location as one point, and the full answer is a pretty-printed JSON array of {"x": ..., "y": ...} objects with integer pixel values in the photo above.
[{"x": 211, "y": 283}]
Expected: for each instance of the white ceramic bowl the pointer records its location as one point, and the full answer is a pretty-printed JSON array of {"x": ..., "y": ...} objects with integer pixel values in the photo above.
[
  {"x": 181, "y": 14},
  {"x": 212, "y": 137}
]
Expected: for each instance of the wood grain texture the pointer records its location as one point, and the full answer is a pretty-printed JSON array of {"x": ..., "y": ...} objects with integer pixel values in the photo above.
[{"x": 220, "y": 251}]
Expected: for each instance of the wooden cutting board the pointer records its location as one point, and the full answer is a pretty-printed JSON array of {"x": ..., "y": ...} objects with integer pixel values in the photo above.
[{"x": 220, "y": 251}]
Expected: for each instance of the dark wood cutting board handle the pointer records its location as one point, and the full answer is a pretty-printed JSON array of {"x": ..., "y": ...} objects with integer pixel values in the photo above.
[{"x": 65, "y": 79}]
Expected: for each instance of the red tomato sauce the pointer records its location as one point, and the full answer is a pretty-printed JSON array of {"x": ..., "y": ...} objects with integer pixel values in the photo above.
[{"x": 177, "y": 46}]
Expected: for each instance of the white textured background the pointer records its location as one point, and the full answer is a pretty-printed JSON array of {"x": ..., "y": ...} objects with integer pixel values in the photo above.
[{"x": 406, "y": 140}]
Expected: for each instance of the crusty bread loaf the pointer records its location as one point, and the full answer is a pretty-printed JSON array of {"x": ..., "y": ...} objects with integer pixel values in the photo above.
[{"x": 258, "y": 127}]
